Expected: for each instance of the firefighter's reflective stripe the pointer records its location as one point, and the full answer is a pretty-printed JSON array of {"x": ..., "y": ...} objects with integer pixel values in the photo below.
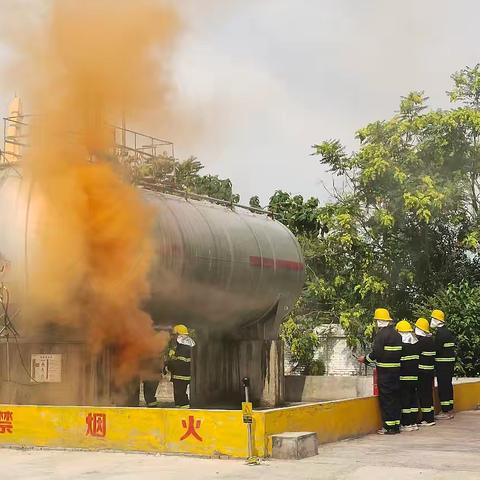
[
  {"x": 450, "y": 344},
  {"x": 182, "y": 359},
  {"x": 369, "y": 360},
  {"x": 414, "y": 410},
  {"x": 447, "y": 402},
  {"x": 406, "y": 410},
  {"x": 392, "y": 348},
  {"x": 408, "y": 377},
  {"x": 392, "y": 423},
  {"x": 171, "y": 353},
  {"x": 426, "y": 367},
  {"x": 409, "y": 357},
  {"x": 429, "y": 354},
  {"x": 181, "y": 377},
  {"x": 427, "y": 409},
  {"x": 388, "y": 365},
  {"x": 184, "y": 406},
  {"x": 445, "y": 359}
]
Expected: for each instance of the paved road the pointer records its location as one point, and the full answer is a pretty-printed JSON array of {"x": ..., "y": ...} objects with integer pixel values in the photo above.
[{"x": 451, "y": 450}]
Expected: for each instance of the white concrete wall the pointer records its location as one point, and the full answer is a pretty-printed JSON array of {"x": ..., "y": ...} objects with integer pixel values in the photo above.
[
  {"x": 335, "y": 353},
  {"x": 302, "y": 388}
]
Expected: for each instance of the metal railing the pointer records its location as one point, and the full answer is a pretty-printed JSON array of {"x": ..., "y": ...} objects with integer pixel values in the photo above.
[
  {"x": 126, "y": 142},
  {"x": 164, "y": 188},
  {"x": 129, "y": 146}
]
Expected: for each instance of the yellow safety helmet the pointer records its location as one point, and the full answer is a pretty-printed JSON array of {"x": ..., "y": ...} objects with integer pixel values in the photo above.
[
  {"x": 403, "y": 326},
  {"x": 180, "y": 330},
  {"x": 382, "y": 314},
  {"x": 423, "y": 324},
  {"x": 438, "y": 315}
]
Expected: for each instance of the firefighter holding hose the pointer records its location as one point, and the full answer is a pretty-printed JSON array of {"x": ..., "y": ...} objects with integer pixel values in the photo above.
[{"x": 179, "y": 364}]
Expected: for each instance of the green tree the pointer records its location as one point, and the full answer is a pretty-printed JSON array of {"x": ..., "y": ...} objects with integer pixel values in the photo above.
[
  {"x": 462, "y": 304},
  {"x": 403, "y": 227},
  {"x": 406, "y": 224},
  {"x": 180, "y": 175},
  {"x": 299, "y": 215},
  {"x": 302, "y": 342}
]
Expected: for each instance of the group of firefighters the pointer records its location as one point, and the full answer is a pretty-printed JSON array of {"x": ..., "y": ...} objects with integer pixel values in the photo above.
[
  {"x": 407, "y": 359},
  {"x": 178, "y": 364}
]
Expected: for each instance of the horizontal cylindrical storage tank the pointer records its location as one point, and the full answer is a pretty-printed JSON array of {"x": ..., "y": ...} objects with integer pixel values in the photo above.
[{"x": 214, "y": 265}]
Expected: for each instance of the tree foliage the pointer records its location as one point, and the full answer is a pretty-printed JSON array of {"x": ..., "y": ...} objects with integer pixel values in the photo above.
[
  {"x": 300, "y": 216},
  {"x": 298, "y": 331},
  {"x": 302, "y": 342},
  {"x": 462, "y": 304},
  {"x": 182, "y": 175},
  {"x": 405, "y": 225}
]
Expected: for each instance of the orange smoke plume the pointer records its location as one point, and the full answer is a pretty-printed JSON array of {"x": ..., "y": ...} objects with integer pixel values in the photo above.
[{"x": 91, "y": 61}]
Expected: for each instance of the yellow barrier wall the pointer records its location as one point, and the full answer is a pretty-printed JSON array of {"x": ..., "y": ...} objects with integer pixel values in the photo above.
[
  {"x": 337, "y": 420},
  {"x": 330, "y": 420},
  {"x": 466, "y": 396},
  {"x": 196, "y": 432}
]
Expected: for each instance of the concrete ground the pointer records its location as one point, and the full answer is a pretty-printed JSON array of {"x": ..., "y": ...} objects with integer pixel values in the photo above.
[{"x": 449, "y": 450}]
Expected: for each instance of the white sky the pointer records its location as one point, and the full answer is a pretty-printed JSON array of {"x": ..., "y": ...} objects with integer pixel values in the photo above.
[{"x": 269, "y": 78}]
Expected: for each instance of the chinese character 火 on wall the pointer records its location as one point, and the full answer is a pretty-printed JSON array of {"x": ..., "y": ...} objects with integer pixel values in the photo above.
[{"x": 192, "y": 428}]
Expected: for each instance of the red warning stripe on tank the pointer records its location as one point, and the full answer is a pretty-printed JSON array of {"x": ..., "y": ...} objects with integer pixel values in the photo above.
[{"x": 279, "y": 264}]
